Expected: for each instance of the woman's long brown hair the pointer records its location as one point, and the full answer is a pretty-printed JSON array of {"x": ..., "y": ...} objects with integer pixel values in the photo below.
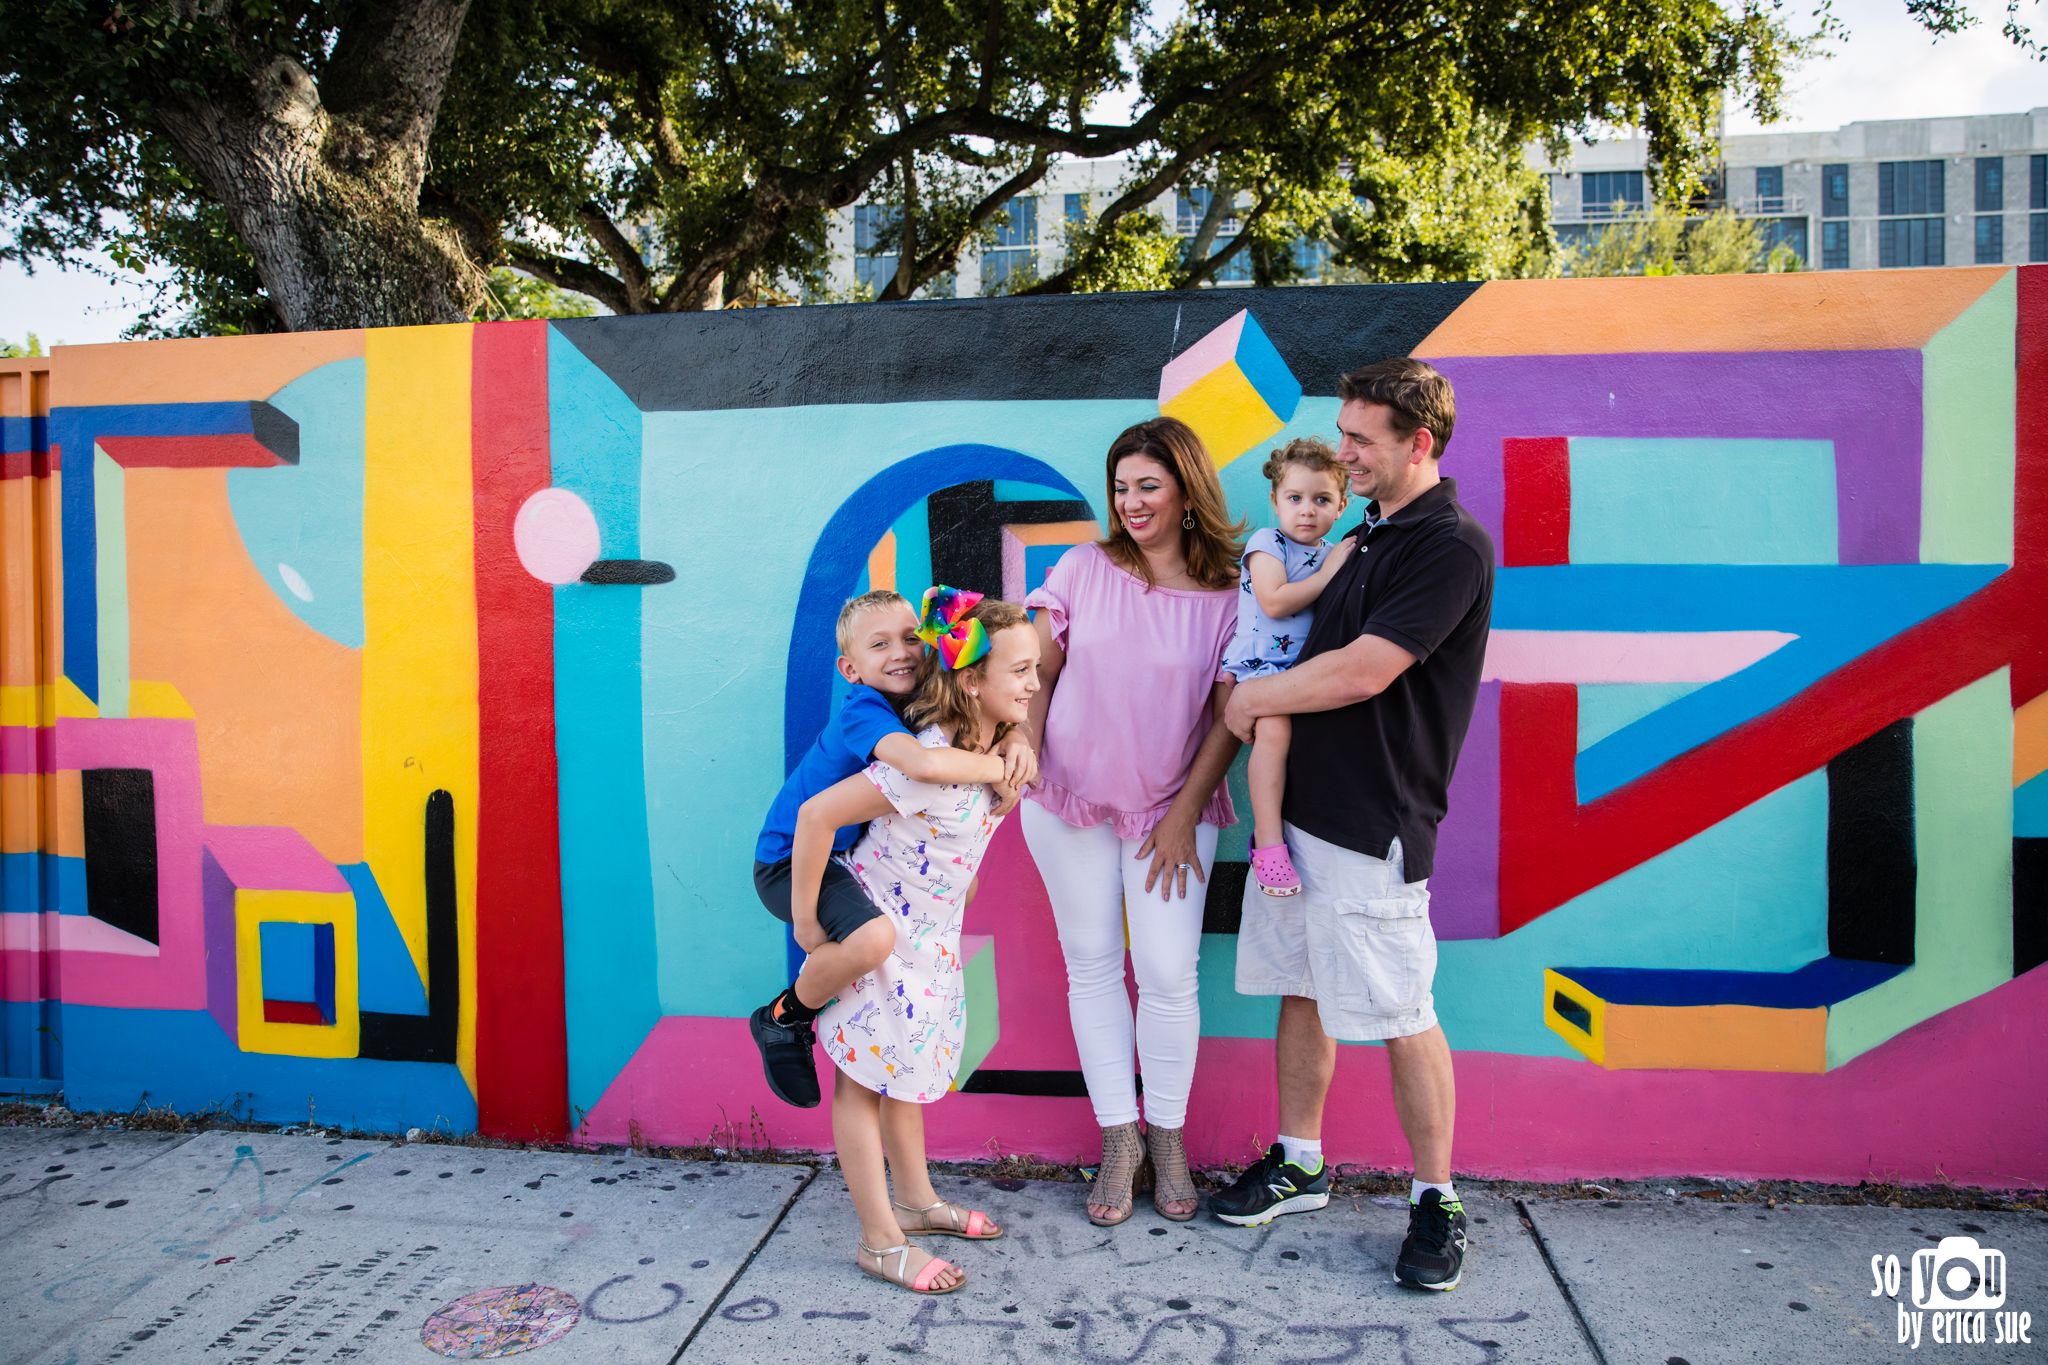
[
  {"x": 1212, "y": 546},
  {"x": 941, "y": 694}
]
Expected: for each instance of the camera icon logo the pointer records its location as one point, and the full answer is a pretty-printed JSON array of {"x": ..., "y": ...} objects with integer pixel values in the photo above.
[{"x": 1958, "y": 1273}]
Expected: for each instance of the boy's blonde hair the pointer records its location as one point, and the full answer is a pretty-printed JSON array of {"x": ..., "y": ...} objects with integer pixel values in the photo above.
[
  {"x": 1309, "y": 453},
  {"x": 867, "y": 601}
]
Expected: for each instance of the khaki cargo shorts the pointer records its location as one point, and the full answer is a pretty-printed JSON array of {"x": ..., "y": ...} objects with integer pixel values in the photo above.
[{"x": 1356, "y": 941}]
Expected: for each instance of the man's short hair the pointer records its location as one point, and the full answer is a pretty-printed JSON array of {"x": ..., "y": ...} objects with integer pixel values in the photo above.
[
  {"x": 1414, "y": 394},
  {"x": 867, "y": 601}
]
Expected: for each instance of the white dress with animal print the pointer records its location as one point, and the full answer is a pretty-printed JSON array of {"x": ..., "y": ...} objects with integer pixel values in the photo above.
[{"x": 898, "y": 1030}]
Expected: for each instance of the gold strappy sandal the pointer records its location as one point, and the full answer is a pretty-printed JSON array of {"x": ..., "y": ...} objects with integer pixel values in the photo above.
[
  {"x": 1173, "y": 1189},
  {"x": 950, "y": 1221},
  {"x": 921, "y": 1282},
  {"x": 1121, "y": 1174}
]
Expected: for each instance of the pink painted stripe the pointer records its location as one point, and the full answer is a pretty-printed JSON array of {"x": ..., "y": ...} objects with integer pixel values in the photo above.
[
  {"x": 18, "y": 749},
  {"x": 271, "y": 858},
  {"x": 1613, "y": 656},
  {"x": 1217, "y": 348}
]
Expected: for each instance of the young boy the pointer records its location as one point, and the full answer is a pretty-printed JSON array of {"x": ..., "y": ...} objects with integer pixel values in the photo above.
[{"x": 878, "y": 653}]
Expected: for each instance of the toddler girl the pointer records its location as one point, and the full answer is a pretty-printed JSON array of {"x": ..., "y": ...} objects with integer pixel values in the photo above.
[
  {"x": 895, "y": 1034},
  {"x": 1285, "y": 571}
]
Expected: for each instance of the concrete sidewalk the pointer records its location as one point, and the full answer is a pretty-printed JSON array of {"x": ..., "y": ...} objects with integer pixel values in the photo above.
[{"x": 261, "y": 1247}]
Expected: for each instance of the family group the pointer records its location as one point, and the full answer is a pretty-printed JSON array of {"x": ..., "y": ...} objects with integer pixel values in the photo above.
[{"x": 1111, "y": 703}]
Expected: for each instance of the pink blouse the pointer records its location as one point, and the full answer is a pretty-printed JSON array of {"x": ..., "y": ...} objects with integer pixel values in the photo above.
[{"x": 1131, "y": 706}]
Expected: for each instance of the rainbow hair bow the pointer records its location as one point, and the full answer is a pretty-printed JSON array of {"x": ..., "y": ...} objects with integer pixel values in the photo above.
[{"x": 946, "y": 627}]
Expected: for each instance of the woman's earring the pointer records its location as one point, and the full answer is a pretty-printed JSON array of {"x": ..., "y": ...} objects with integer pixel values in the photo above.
[{"x": 1187, "y": 523}]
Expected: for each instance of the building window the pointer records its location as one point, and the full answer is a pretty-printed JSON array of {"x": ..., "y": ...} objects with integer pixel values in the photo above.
[
  {"x": 1770, "y": 191},
  {"x": 1834, "y": 193},
  {"x": 1834, "y": 246},
  {"x": 874, "y": 225},
  {"x": 1990, "y": 240},
  {"x": 1909, "y": 241},
  {"x": 1777, "y": 232},
  {"x": 1604, "y": 194},
  {"x": 2037, "y": 236},
  {"x": 2037, "y": 183},
  {"x": 1013, "y": 261},
  {"x": 1909, "y": 187},
  {"x": 1990, "y": 184},
  {"x": 1077, "y": 208}
]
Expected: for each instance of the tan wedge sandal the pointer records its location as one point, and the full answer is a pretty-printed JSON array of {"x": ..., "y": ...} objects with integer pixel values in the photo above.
[
  {"x": 1121, "y": 1175},
  {"x": 1173, "y": 1189},
  {"x": 921, "y": 1282},
  {"x": 948, "y": 1220}
]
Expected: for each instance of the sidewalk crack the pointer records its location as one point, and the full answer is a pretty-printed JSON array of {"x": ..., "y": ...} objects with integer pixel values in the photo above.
[
  {"x": 766, "y": 1236},
  {"x": 1585, "y": 1328}
]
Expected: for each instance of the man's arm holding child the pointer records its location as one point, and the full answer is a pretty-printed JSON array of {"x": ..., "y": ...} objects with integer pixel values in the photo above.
[{"x": 851, "y": 802}]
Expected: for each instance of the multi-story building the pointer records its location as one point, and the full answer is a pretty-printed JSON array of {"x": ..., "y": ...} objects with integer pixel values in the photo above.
[{"x": 1871, "y": 195}]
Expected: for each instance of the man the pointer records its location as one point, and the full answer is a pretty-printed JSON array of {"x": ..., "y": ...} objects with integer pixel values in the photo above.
[{"x": 1381, "y": 698}]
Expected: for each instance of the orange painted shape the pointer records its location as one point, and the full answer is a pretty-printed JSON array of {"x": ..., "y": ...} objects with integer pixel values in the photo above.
[
  {"x": 67, "y": 812},
  {"x": 197, "y": 370},
  {"x": 1056, "y": 533},
  {"x": 18, "y": 582},
  {"x": 2030, "y": 740},
  {"x": 21, "y": 815},
  {"x": 882, "y": 563},
  {"x": 278, "y": 705},
  {"x": 1867, "y": 310},
  {"x": 1716, "y": 1038}
]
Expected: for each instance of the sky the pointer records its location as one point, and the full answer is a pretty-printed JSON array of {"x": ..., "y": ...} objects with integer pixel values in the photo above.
[{"x": 1886, "y": 67}]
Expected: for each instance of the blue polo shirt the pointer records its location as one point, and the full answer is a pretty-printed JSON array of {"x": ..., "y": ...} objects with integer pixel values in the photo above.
[{"x": 843, "y": 748}]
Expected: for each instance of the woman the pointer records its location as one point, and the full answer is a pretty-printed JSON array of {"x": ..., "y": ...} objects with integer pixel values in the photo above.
[{"x": 1131, "y": 637}]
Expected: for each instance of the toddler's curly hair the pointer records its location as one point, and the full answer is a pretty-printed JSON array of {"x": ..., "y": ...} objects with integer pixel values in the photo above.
[{"x": 1309, "y": 453}]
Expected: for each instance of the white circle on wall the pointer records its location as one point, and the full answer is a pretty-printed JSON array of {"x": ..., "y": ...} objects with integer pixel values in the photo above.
[
  {"x": 293, "y": 580},
  {"x": 556, "y": 536}
]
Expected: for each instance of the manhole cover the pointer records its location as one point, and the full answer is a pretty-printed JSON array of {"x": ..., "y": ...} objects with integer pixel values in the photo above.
[{"x": 500, "y": 1322}]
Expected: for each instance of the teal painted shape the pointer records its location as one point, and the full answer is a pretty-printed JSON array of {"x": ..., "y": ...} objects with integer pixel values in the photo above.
[
  {"x": 914, "y": 551},
  {"x": 608, "y": 933},
  {"x": 309, "y": 516},
  {"x": 1644, "y": 500},
  {"x": 1225, "y": 1013},
  {"x": 713, "y": 720},
  {"x": 1749, "y": 894},
  {"x": 2030, "y": 808},
  {"x": 1607, "y": 707},
  {"x": 387, "y": 982},
  {"x": 287, "y": 961},
  {"x": 1015, "y": 490},
  {"x": 1261, "y": 364},
  {"x": 1250, "y": 493},
  {"x": 1838, "y": 613}
]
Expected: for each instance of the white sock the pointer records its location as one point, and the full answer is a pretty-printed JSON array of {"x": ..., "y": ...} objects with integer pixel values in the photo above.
[
  {"x": 1306, "y": 1153},
  {"x": 1444, "y": 1191}
]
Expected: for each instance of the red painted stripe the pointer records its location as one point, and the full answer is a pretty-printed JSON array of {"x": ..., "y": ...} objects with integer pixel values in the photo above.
[
  {"x": 522, "y": 1045},
  {"x": 293, "y": 1012},
  {"x": 1536, "y": 524},
  {"x": 1553, "y": 848},
  {"x": 187, "y": 452}
]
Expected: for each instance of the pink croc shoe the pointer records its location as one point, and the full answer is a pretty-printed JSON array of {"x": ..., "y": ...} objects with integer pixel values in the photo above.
[{"x": 1274, "y": 871}]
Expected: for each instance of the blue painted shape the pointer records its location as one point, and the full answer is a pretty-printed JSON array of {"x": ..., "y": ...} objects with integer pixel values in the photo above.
[
  {"x": 1607, "y": 707},
  {"x": 288, "y": 970},
  {"x": 610, "y": 987},
  {"x": 1038, "y": 562},
  {"x": 1015, "y": 490},
  {"x": 20, "y": 435},
  {"x": 1655, "y": 500},
  {"x": 1748, "y": 894},
  {"x": 387, "y": 981},
  {"x": 2030, "y": 808},
  {"x": 1260, "y": 361},
  {"x": 73, "y": 430},
  {"x": 30, "y": 1055},
  {"x": 181, "y": 1058},
  {"x": 323, "y": 971},
  {"x": 1839, "y": 612},
  {"x": 913, "y": 550},
  {"x": 1824, "y": 981},
  {"x": 310, "y": 515},
  {"x": 70, "y": 880},
  {"x": 38, "y": 883}
]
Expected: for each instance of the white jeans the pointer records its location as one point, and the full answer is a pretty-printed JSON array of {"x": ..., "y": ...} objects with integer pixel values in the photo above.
[{"x": 1097, "y": 885}]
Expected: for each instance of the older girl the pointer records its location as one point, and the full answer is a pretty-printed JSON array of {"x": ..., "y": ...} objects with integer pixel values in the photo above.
[
  {"x": 1131, "y": 637},
  {"x": 895, "y": 1034}
]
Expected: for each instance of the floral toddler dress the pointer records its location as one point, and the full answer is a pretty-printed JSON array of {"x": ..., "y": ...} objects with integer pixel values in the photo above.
[{"x": 898, "y": 1030}]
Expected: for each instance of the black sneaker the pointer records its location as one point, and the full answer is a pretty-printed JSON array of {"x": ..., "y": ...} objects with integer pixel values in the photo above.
[
  {"x": 786, "y": 1056},
  {"x": 1433, "y": 1254},
  {"x": 1270, "y": 1187}
]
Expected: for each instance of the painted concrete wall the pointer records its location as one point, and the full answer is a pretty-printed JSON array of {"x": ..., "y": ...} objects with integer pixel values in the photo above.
[{"x": 388, "y": 716}]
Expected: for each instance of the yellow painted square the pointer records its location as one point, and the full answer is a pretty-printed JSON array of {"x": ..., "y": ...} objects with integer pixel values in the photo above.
[
  {"x": 1594, "y": 1043},
  {"x": 1225, "y": 411},
  {"x": 253, "y": 909}
]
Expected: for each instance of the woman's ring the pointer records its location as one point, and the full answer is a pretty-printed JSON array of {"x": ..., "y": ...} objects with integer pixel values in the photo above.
[{"x": 1184, "y": 866}]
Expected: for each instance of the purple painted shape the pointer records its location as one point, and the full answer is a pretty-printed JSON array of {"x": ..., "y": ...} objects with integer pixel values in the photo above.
[
  {"x": 1866, "y": 402},
  {"x": 18, "y": 749},
  {"x": 271, "y": 858},
  {"x": 219, "y": 899},
  {"x": 1464, "y": 895}
]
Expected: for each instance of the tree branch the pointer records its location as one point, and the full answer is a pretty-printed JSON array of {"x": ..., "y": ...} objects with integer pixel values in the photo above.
[
  {"x": 1208, "y": 268},
  {"x": 564, "y": 272},
  {"x": 633, "y": 273},
  {"x": 390, "y": 67}
]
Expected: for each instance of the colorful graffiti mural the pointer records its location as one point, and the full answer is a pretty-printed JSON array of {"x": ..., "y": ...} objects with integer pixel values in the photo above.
[{"x": 388, "y": 715}]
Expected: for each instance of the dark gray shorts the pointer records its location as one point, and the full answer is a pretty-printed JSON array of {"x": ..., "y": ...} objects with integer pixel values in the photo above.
[{"x": 842, "y": 906}]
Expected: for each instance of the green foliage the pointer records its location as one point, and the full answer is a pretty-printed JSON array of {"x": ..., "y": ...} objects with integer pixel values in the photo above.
[
  {"x": 1138, "y": 251},
  {"x": 10, "y": 351},
  {"x": 1664, "y": 241},
  {"x": 513, "y": 295}
]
